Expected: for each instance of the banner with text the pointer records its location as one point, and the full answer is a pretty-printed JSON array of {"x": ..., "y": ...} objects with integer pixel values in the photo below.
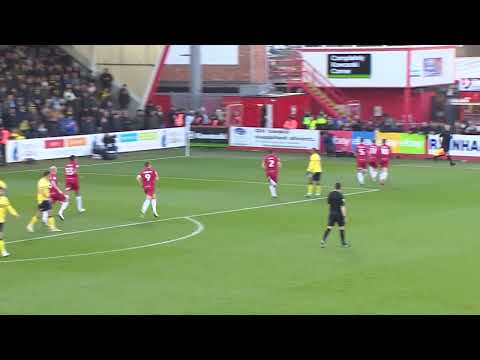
[
  {"x": 460, "y": 145},
  {"x": 274, "y": 138},
  {"x": 342, "y": 140},
  {"x": 208, "y": 134},
  {"x": 82, "y": 145},
  {"x": 412, "y": 144},
  {"x": 367, "y": 136},
  {"x": 393, "y": 140}
]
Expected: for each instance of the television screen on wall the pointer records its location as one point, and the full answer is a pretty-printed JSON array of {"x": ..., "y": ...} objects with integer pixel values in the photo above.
[{"x": 346, "y": 65}]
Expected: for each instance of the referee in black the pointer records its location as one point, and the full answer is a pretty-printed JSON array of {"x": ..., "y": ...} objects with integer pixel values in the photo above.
[
  {"x": 446, "y": 136},
  {"x": 337, "y": 215}
]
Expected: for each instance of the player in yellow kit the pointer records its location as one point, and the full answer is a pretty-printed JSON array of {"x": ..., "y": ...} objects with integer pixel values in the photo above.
[
  {"x": 314, "y": 172},
  {"x": 44, "y": 205},
  {"x": 5, "y": 208}
]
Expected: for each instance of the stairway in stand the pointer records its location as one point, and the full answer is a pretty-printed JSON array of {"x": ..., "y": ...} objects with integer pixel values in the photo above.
[{"x": 300, "y": 74}]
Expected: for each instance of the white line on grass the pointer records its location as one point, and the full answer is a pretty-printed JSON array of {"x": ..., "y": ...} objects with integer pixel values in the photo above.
[
  {"x": 199, "y": 228},
  {"x": 108, "y": 163},
  {"x": 188, "y": 216},
  {"x": 215, "y": 180},
  {"x": 436, "y": 167}
]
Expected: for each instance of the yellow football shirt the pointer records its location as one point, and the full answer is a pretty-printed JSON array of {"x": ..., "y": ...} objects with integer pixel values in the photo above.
[
  {"x": 43, "y": 190},
  {"x": 5, "y": 208},
  {"x": 315, "y": 164}
]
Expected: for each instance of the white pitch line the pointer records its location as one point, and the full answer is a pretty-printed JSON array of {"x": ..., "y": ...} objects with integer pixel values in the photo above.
[
  {"x": 188, "y": 216},
  {"x": 436, "y": 167},
  {"x": 108, "y": 163},
  {"x": 216, "y": 180},
  {"x": 199, "y": 228}
]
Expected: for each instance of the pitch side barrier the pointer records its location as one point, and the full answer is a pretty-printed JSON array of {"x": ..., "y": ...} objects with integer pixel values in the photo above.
[
  {"x": 404, "y": 145},
  {"x": 82, "y": 145}
]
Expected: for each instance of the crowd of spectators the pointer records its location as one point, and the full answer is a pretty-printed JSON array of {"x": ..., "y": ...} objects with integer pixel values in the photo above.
[
  {"x": 180, "y": 116},
  {"x": 384, "y": 123},
  {"x": 44, "y": 92}
]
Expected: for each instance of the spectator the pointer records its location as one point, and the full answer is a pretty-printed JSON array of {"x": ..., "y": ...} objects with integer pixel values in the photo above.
[
  {"x": 92, "y": 89},
  {"x": 68, "y": 95},
  {"x": 139, "y": 120},
  {"x": 89, "y": 124},
  {"x": 26, "y": 129},
  {"x": 124, "y": 97},
  {"x": 41, "y": 130},
  {"x": 154, "y": 121},
  {"x": 68, "y": 126},
  {"x": 198, "y": 119},
  {"x": 190, "y": 118},
  {"x": 180, "y": 119},
  {"x": 290, "y": 123},
  {"x": 127, "y": 123},
  {"x": 16, "y": 135},
  {"x": 220, "y": 115},
  {"x": 116, "y": 123},
  {"x": 104, "y": 124},
  {"x": 213, "y": 120},
  {"x": 106, "y": 79},
  {"x": 149, "y": 108}
]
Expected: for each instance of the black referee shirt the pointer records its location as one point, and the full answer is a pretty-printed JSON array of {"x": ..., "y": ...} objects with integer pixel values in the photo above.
[{"x": 336, "y": 201}]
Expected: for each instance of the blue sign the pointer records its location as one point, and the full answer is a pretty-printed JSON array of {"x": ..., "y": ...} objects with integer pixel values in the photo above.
[
  {"x": 240, "y": 131},
  {"x": 129, "y": 137},
  {"x": 368, "y": 138}
]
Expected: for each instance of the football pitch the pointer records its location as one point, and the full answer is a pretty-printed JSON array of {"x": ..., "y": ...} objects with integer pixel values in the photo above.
[{"x": 222, "y": 246}]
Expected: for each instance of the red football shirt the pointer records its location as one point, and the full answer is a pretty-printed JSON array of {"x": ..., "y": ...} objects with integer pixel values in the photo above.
[
  {"x": 271, "y": 163},
  {"x": 71, "y": 169},
  {"x": 53, "y": 184},
  {"x": 361, "y": 152},
  {"x": 149, "y": 176},
  {"x": 373, "y": 151},
  {"x": 385, "y": 153}
]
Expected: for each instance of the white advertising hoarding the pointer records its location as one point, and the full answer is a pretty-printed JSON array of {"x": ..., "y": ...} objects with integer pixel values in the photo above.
[
  {"x": 274, "y": 138},
  {"x": 460, "y": 145},
  {"x": 82, "y": 145}
]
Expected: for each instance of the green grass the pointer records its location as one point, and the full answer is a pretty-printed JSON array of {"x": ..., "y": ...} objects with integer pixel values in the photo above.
[{"x": 415, "y": 247}]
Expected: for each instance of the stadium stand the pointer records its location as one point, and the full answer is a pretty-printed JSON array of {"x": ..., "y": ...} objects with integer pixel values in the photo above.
[{"x": 45, "y": 92}]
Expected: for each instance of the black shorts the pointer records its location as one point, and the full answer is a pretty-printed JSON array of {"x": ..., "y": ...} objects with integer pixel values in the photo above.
[
  {"x": 1, "y": 227},
  {"x": 44, "y": 205},
  {"x": 336, "y": 219},
  {"x": 316, "y": 176}
]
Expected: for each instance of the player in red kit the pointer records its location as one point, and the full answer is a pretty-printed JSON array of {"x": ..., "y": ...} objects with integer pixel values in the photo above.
[
  {"x": 271, "y": 163},
  {"x": 57, "y": 195},
  {"x": 361, "y": 155},
  {"x": 147, "y": 178},
  {"x": 373, "y": 153},
  {"x": 385, "y": 154},
  {"x": 71, "y": 181}
]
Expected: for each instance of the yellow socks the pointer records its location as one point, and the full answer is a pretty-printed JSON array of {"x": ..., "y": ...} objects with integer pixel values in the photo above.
[
  {"x": 318, "y": 189},
  {"x": 2, "y": 246},
  {"x": 51, "y": 222},
  {"x": 310, "y": 188},
  {"x": 33, "y": 221}
]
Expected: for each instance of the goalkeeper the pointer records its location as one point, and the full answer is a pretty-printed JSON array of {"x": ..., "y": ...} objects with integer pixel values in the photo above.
[{"x": 314, "y": 173}]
